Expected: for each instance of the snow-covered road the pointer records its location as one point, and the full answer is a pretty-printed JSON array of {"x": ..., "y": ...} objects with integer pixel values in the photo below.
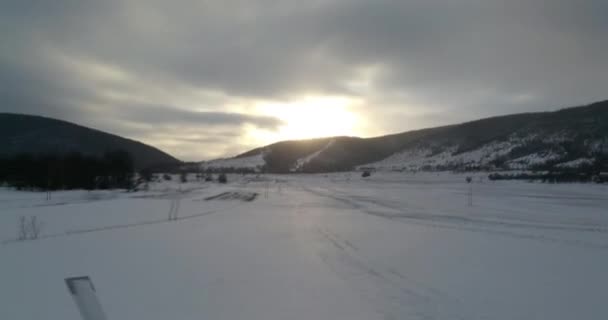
[{"x": 316, "y": 247}]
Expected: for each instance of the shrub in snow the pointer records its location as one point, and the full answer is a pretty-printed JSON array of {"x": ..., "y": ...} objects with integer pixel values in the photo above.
[
  {"x": 222, "y": 178},
  {"x": 28, "y": 228},
  {"x": 146, "y": 175},
  {"x": 22, "y": 229}
]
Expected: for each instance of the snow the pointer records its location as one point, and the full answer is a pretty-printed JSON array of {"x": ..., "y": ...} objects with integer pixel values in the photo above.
[
  {"x": 433, "y": 156},
  {"x": 599, "y": 146},
  {"x": 335, "y": 246},
  {"x": 418, "y": 158},
  {"x": 575, "y": 163},
  {"x": 410, "y": 159},
  {"x": 536, "y": 158}
]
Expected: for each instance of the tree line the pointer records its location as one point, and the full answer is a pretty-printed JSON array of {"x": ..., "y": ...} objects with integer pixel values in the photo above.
[{"x": 113, "y": 169}]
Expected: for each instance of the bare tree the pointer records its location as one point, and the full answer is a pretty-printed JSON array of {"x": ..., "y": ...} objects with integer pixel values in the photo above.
[
  {"x": 35, "y": 227},
  {"x": 22, "y": 229},
  {"x": 222, "y": 178},
  {"x": 29, "y": 228}
]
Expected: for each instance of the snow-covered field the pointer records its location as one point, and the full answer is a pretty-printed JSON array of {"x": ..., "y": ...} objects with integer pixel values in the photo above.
[{"x": 394, "y": 246}]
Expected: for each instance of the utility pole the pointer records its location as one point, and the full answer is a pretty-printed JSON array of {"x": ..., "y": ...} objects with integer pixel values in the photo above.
[{"x": 469, "y": 181}]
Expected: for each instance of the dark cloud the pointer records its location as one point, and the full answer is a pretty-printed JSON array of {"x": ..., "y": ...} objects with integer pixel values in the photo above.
[
  {"x": 155, "y": 115},
  {"x": 433, "y": 62}
]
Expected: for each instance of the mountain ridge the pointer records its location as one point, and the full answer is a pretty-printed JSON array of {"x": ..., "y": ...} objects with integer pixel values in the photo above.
[
  {"x": 548, "y": 138},
  {"x": 34, "y": 134}
]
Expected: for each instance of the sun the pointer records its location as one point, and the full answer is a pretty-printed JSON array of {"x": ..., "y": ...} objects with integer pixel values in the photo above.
[{"x": 313, "y": 117}]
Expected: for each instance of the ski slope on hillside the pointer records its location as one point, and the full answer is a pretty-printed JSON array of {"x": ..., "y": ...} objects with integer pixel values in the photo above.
[
  {"x": 300, "y": 163},
  {"x": 337, "y": 246},
  {"x": 255, "y": 162}
]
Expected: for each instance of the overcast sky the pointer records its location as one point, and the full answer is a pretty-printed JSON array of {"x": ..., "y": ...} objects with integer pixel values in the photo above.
[{"x": 205, "y": 79}]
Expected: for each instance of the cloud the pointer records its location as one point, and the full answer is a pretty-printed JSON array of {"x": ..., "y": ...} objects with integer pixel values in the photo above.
[
  {"x": 134, "y": 67},
  {"x": 155, "y": 115}
]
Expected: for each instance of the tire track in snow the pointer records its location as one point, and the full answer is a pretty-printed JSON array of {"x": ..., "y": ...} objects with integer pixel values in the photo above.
[
  {"x": 393, "y": 294},
  {"x": 491, "y": 227}
]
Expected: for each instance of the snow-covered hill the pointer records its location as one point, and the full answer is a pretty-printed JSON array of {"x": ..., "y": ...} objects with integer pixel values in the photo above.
[
  {"x": 254, "y": 162},
  {"x": 568, "y": 139},
  {"x": 516, "y": 153}
]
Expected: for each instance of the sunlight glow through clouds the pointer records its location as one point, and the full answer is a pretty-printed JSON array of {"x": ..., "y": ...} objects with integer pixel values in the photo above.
[{"x": 309, "y": 117}]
